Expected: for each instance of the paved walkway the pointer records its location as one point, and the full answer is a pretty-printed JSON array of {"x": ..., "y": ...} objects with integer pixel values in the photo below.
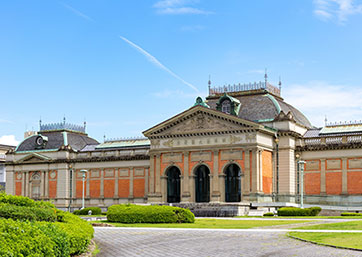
[{"x": 207, "y": 242}]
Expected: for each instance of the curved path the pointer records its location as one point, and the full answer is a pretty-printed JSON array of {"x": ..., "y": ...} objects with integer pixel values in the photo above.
[{"x": 206, "y": 242}]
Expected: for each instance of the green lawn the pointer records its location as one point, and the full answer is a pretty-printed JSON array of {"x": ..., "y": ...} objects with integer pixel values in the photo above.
[
  {"x": 349, "y": 225},
  {"x": 303, "y": 217},
  {"x": 213, "y": 223},
  {"x": 345, "y": 240}
]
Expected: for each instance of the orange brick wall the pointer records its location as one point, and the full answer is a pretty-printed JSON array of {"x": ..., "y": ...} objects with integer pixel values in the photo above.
[
  {"x": 123, "y": 188},
  {"x": 79, "y": 188},
  {"x": 267, "y": 167},
  {"x": 139, "y": 187},
  {"x": 52, "y": 189},
  {"x": 208, "y": 163},
  {"x": 18, "y": 188},
  {"x": 334, "y": 183},
  {"x": 108, "y": 188},
  {"x": 223, "y": 162},
  {"x": 312, "y": 183},
  {"x": 354, "y": 182},
  {"x": 94, "y": 188}
]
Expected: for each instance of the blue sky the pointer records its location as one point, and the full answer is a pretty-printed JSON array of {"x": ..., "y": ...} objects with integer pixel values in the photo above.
[{"x": 124, "y": 66}]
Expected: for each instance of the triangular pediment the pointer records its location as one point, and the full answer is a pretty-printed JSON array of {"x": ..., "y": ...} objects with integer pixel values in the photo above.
[
  {"x": 33, "y": 157},
  {"x": 199, "y": 119}
]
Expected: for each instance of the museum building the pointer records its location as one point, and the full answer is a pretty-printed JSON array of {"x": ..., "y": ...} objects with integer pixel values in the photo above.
[{"x": 241, "y": 145}]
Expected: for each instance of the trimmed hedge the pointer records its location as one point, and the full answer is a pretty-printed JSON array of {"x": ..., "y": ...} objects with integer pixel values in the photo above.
[
  {"x": 10, "y": 211},
  {"x": 268, "y": 214},
  {"x": 95, "y": 211},
  {"x": 351, "y": 214},
  {"x": 29, "y": 228},
  {"x": 130, "y": 213},
  {"x": 294, "y": 211}
]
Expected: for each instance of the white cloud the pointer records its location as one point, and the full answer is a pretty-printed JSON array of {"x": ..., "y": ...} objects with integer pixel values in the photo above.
[
  {"x": 178, "y": 7},
  {"x": 336, "y": 9},
  {"x": 156, "y": 62},
  {"x": 317, "y": 99},
  {"x": 76, "y": 12},
  {"x": 9, "y": 140}
]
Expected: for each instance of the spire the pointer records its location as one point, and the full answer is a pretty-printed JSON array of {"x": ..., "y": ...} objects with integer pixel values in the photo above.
[
  {"x": 266, "y": 76},
  {"x": 325, "y": 120},
  {"x": 84, "y": 124},
  {"x": 104, "y": 138},
  {"x": 40, "y": 123},
  {"x": 64, "y": 119},
  {"x": 280, "y": 85},
  {"x": 209, "y": 83}
]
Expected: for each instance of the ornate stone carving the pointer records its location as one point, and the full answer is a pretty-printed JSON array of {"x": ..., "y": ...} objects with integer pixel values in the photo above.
[
  {"x": 172, "y": 157},
  {"x": 231, "y": 155},
  {"x": 200, "y": 156},
  {"x": 53, "y": 174},
  {"x": 355, "y": 163}
]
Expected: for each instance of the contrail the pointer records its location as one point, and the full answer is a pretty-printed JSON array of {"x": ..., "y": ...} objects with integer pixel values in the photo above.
[
  {"x": 75, "y": 11},
  {"x": 156, "y": 62}
]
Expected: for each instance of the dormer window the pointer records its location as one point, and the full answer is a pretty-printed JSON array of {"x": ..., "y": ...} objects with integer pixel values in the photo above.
[{"x": 226, "y": 106}]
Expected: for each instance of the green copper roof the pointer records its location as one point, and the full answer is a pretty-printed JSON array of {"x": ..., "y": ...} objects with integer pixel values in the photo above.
[
  {"x": 199, "y": 101},
  {"x": 275, "y": 102},
  {"x": 341, "y": 129},
  {"x": 235, "y": 104},
  {"x": 124, "y": 143}
]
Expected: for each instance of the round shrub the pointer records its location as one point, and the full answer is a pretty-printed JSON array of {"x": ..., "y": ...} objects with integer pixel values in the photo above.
[
  {"x": 268, "y": 214},
  {"x": 130, "y": 213},
  {"x": 27, "y": 213}
]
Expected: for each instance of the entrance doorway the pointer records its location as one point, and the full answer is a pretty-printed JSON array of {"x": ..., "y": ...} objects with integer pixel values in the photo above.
[
  {"x": 173, "y": 185},
  {"x": 232, "y": 183},
  {"x": 202, "y": 184}
]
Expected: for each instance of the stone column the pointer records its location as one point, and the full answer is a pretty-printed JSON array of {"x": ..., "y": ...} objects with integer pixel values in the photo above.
[
  {"x": 254, "y": 171},
  {"x": 246, "y": 184},
  {"x": 185, "y": 181},
  {"x": 323, "y": 176},
  {"x": 42, "y": 180},
  {"x": 87, "y": 187},
  {"x": 116, "y": 184},
  {"x": 131, "y": 176},
  {"x": 27, "y": 183},
  {"x": 221, "y": 177},
  {"x": 146, "y": 181},
  {"x": 260, "y": 170},
  {"x": 23, "y": 180},
  {"x": 216, "y": 195},
  {"x": 344, "y": 176},
  {"x": 158, "y": 175},
  {"x": 46, "y": 193},
  {"x": 152, "y": 174},
  {"x": 102, "y": 184}
]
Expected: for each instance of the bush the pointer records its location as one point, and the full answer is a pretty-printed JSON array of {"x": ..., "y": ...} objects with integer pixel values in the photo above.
[
  {"x": 24, "y": 239},
  {"x": 130, "y": 213},
  {"x": 268, "y": 214},
  {"x": 79, "y": 232},
  {"x": 95, "y": 211},
  {"x": 351, "y": 214},
  {"x": 294, "y": 211},
  {"x": 27, "y": 213}
]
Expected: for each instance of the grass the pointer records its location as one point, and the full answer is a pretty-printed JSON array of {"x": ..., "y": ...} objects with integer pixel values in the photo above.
[
  {"x": 303, "y": 217},
  {"x": 349, "y": 225},
  {"x": 212, "y": 223},
  {"x": 343, "y": 240}
]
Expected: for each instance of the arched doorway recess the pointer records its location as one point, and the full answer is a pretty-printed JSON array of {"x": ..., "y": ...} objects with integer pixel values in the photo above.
[
  {"x": 202, "y": 184},
  {"x": 173, "y": 185},
  {"x": 232, "y": 183}
]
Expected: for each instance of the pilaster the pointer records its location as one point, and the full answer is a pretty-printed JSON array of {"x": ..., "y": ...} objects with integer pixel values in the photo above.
[
  {"x": 344, "y": 176},
  {"x": 216, "y": 195},
  {"x": 323, "y": 176}
]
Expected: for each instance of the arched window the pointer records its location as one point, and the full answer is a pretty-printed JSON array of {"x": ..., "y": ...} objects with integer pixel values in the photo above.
[{"x": 226, "y": 106}]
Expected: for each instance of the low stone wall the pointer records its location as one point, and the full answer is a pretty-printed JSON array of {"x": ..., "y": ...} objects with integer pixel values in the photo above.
[{"x": 216, "y": 209}]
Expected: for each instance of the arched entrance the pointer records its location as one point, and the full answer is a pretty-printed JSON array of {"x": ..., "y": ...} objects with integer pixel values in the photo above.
[
  {"x": 173, "y": 185},
  {"x": 202, "y": 184},
  {"x": 232, "y": 183}
]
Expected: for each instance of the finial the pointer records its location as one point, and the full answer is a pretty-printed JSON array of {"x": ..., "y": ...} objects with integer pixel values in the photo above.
[
  {"x": 325, "y": 120},
  {"x": 84, "y": 124},
  {"x": 280, "y": 85},
  {"x": 209, "y": 83},
  {"x": 104, "y": 138},
  {"x": 40, "y": 123},
  {"x": 64, "y": 119},
  {"x": 266, "y": 76}
]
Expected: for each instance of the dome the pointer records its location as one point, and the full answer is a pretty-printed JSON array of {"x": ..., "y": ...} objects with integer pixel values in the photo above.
[
  {"x": 51, "y": 140},
  {"x": 261, "y": 106}
]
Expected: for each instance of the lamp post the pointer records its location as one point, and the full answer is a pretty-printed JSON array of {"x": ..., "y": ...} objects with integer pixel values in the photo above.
[
  {"x": 83, "y": 177},
  {"x": 301, "y": 168}
]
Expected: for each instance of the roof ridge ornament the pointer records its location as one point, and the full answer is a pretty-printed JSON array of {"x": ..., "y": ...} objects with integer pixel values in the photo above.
[{"x": 201, "y": 102}]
